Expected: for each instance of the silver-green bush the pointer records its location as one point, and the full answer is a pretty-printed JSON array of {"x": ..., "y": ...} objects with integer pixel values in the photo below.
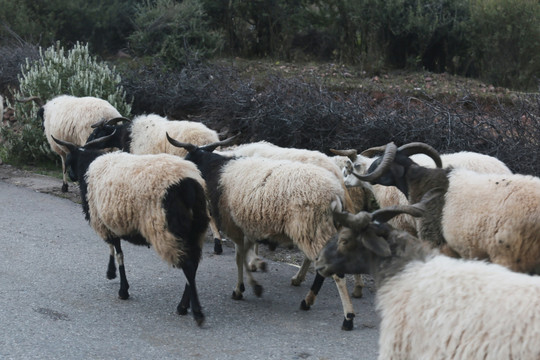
[{"x": 56, "y": 72}]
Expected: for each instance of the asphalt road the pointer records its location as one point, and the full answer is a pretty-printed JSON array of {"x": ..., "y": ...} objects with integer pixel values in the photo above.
[{"x": 56, "y": 302}]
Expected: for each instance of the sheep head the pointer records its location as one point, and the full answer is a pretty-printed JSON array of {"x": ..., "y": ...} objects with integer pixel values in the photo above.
[
  {"x": 74, "y": 150},
  {"x": 390, "y": 168},
  {"x": 365, "y": 237}
]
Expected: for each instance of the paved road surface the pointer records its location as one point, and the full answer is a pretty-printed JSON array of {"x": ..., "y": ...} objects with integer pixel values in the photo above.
[{"x": 57, "y": 304}]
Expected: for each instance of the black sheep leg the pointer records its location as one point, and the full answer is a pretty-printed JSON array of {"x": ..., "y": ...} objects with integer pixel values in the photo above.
[
  {"x": 124, "y": 286},
  {"x": 312, "y": 294},
  {"x": 190, "y": 296},
  {"x": 111, "y": 268},
  {"x": 183, "y": 306}
]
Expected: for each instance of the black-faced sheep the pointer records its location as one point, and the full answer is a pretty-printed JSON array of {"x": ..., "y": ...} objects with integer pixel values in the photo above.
[
  {"x": 484, "y": 216},
  {"x": 354, "y": 196},
  {"x": 145, "y": 134},
  {"x": 258, "y": 198},
  {"x": 156, "y": 200},
  {"x": 433, "y": 306},
  {"x": 70, "y": 118},
  {"x": 388, "y": 196}
]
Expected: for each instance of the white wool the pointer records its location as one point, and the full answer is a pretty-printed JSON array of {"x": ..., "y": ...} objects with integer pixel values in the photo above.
[
  {"x": 148, "y": 135},
  {"x": 447, "y": 308}
]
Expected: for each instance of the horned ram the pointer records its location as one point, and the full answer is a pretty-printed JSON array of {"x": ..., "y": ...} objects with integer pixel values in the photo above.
[
  {"x": 280, "y": 200},
  {"x": 433, "y": 306}
]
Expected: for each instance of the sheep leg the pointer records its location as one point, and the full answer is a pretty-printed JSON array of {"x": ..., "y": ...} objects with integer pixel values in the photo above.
[
  {"x": 312, "y": 294},
  {"x": 218, "y": 247},
  {"x": 190, "y": 295},
  {"x": 111, "y": 268},
  {"x": 240, "y": 288},
  {"x": 124, "y": 286},
  {"x": 255, "y": 261},
  {"x": 348, "y": 310},
  {"x": 240, "y": 263},
  {"x": 64, "y": 173},
  {"x": 358, "y": 286},
  {"x": 300, "y": 276}
]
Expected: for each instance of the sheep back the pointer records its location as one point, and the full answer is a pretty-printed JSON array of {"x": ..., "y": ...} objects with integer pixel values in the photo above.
[
  {"x": 148, "y": 135},
  {"x": 125, "y": 198},
  {"x": 69, "y": 118},
  {"x": 267, "y": 198},
  {"x": 448, "y": 308},
  {"x": 495, "y": 217}
]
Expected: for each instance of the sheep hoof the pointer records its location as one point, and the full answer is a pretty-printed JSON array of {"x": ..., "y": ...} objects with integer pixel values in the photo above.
[
  {"x": 296, "y": 282},
  {"x": 263, "y": 266},
  {"x": 123, "y": 294},
  {"x": 237, "y": 296},
  {"x": 199, "y": 318},
  {"x": 242, "y": 287},
  {"x": 348, "y": 323},
  {"x": 181, "y": 310},
  {"x": 218, "y": 248},
  {"x": 64, "y": 187},
  {"x": 258, "y": 290},
  {"x": 357, "y": 292},
  {"x": 111, "y": 274},
  {"x": 304, "y": 305}
]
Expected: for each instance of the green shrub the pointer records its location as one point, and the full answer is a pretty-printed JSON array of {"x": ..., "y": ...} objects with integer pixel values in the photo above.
[
  {"x": 176, "y": 32},
  {"x": 506, "y": 41},
  {"x": 57, "y": 72}
]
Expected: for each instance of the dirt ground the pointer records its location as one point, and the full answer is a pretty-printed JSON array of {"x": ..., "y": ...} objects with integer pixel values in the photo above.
[{"x": 39, "y": 183}]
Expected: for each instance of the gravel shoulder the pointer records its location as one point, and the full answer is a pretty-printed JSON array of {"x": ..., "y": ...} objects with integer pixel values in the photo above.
[{"x": 40, "y": 183}]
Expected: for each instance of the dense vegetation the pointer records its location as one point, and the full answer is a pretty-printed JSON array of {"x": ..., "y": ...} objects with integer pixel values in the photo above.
[
  {"x": 321, "y": 74},
  {"x": 494, "y": 40}
]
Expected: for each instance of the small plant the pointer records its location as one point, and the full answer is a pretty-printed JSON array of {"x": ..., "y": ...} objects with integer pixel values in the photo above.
[{"x": 57, "y": 72}]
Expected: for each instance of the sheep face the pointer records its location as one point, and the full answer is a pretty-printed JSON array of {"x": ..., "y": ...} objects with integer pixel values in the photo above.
[
  {"x": 347, "y": 254},
  {"x": 366, "y": 240}
]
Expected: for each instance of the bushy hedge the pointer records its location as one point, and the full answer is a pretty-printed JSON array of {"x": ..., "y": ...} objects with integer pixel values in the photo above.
[
  {"x": 56, "y": 72},
  {"x": 495, "y": 40}
]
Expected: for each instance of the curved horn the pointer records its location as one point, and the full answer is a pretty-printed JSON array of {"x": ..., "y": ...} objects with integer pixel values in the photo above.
[
  {"x": 37, "y": 99},
  {"x": 356, "y": 222},
  {"x": 213, "y": 146},
  {"x": 416, "y": 210},
  {"x": 70, "y": 146},
  {"x": 92, "y": 143},
  {"x": 421, "y": 148},
  {"x": 210, "y": 147},
  {"x": 373, "y": 151},
  {"x": 386, "y": 160},
  {"x": 350, "y": 153},
  {"x": 112, "y": 121},
  {"x": 388, "y": 213},
  {"x": 189, "y": 147}
]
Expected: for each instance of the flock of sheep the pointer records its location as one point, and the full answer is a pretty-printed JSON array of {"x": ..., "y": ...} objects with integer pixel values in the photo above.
[{"x": 454, "y": 271}]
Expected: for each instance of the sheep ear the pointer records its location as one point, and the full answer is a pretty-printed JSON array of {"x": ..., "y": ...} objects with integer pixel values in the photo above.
[{"x": 376, "y": 244}]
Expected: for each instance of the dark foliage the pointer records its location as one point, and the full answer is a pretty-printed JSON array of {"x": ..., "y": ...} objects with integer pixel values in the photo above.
[
  {"x": 176, "y": 95},
  {"x": 12, "y": 57},
  {"x": 294, "y": 113}
]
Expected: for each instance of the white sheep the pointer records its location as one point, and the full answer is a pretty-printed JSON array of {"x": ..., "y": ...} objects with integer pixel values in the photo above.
[
  {"x": 70, "y": 118},
  {"x": 433, "y": 306},
  {"x": 145, "y": 134},
  {"x": 388, "y": 196},
  {"x": 485, "y": 216},
  {"x": 157, "y": 200},
  {"x": 284, "y": 201},
  {"x": 354, "y": 197}
]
